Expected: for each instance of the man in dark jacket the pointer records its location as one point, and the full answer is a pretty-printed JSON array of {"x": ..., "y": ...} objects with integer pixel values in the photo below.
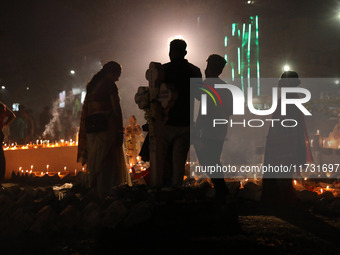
[
  {"x": 176, "y": 140},
  {"x": 212, "y": 138}
]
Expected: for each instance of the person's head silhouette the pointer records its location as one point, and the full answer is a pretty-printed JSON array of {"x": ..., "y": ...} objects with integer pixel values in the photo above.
[
  {"x": 112, "y": 70},
  {"x": 215, "y": 65},
  {"x": 289, "y": 79},
  {"x": 177, "y": 49}
]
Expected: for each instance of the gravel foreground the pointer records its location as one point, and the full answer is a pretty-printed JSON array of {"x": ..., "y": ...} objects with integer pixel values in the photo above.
[{"x": 144, "y": 220}]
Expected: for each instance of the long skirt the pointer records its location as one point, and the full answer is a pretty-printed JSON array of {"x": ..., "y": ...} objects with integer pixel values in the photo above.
[{"x": 106, "y": 163}]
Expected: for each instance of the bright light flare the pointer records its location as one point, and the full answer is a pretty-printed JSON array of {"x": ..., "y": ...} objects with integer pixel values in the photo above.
[
  {"x": 286, "y": 68},
  {"x": 181, "y": 37}
]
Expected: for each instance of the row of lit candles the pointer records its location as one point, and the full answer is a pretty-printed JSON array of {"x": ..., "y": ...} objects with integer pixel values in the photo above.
[
  {"x": 41, "y": 173},
  {"x": 40, "y": 144}
]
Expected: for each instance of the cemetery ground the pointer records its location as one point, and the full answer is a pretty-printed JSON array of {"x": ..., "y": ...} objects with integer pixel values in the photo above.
[{"x": 145, "y": 220}]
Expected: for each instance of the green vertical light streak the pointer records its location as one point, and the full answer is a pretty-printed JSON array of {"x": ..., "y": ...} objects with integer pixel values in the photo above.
[
  {"x": 243, "y": 32},
  {"x": 226, "y": 58},
  {"x": 233, "y": 28},
  {"x": 249, "y": 38},
  {"x": 248, "y": 54},
  {"x": 232, "y": 73},
  {"x": 257, "y": 29},
  {"x": 239, "y": 60},
  {"x": 244, "y": 40},
  {"x": 257, "y": 56},
  {"x": 258, "y": 78},
  {"x": 225, "y": 41},
  {"x": 239, "y": 33}
]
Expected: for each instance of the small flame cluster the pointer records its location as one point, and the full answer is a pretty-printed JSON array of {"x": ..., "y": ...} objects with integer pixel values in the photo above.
[
  {"x": 140, "y": 169},
  {"x": 40, "y": 144},
  {"x": 303, "y": 185},
  {"x": 61, "y": 174},
  {"x": 326, "y": 142}
]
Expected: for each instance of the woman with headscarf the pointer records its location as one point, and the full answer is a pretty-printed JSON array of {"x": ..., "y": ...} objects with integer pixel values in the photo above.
[{"x": 101, "y": 131}]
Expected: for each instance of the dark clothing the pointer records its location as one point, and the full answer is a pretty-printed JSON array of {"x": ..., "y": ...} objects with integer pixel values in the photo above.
[
  {"x": 286, "y": 146},
  {"x": 211, "y": 139},
  {"x": 177, "y": 74},
  {"x": 209, "y": 154},
  {"x": 204, "y": 123},
  {"x": 176, "y": 138}
]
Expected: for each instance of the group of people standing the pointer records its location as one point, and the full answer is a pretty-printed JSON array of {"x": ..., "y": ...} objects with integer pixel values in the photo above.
[
  {"x": 101, "y": 131},
  {"x": 101, "y": 127}
]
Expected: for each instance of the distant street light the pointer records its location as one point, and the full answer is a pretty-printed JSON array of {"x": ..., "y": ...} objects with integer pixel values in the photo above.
[
  {"x": 337, "y": 82},
  {"x": 72, "y": 72},
  {"x": 27, "y": 88},
  {"x": 286, "y": 68},
  {"x": 3, "y": 87}
]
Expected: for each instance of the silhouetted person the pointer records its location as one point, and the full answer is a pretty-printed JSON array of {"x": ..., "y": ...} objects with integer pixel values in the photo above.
[
  {"x": 6, "y": 117},
  {"x": 211, "y": 139},
  {"x": 176, "y": 140},
  {"x": 101, "y": 131},
  {"x": 285, "y": 146}
]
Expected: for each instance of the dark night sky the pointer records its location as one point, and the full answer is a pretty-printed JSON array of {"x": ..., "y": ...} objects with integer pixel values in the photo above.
[{"x": 42, "y": 40}]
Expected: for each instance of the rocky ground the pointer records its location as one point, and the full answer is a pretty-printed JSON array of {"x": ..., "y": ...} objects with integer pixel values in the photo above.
[{"x": 143, "y": 220}]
